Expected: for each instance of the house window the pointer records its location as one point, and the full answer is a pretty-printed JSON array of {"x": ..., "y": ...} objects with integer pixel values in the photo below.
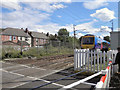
[
  {"x": 10, "y": 38},
  {"x": 14, "y": 37},
  {"x": 36, "y": 40},
  {"x": 26, "y": 39},
  {"x": 21, "y": 38}
]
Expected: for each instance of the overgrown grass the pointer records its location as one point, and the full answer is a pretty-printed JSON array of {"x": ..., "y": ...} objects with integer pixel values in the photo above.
[
  {"x": 10, "y": 53},
  {"x": 49, "y": 51},
  {"x": 35, "y": 52}
]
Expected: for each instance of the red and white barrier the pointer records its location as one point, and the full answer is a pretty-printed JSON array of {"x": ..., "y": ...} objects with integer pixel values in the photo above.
[{"x": 105, "y": 80}]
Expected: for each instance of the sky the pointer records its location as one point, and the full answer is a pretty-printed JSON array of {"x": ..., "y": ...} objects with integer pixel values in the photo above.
[{"x": 89, "y": 17}]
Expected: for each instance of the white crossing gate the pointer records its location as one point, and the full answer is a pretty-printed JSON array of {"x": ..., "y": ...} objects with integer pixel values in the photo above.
[{"x": 93, "y": 61}]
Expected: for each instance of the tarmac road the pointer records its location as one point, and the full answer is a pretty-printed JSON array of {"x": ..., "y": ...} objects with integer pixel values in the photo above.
[{"x": 22, "y": 76}]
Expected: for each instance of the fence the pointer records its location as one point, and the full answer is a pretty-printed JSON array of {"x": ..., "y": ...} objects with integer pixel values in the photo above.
[
  {"x": 93, "y": 61},
  {"x": 105, "y": 80}
]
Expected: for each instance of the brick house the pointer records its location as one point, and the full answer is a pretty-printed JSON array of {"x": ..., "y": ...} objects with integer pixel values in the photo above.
[
  {"x": 15, "y": 36},
  {"x": 38, "y": 39}
]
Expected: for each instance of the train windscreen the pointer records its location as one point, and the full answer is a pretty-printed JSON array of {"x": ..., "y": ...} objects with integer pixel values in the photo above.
[{"x": 88, "y": 40}]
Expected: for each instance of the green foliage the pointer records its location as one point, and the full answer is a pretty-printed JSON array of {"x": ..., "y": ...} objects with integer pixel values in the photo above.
[
  {"x": 49, "y": 51},
  {"x": 107, "y": 38},
  {"x": 63, "y": 32},
  {"x": 10, "y": 52},
  {"x": 53, "y": 37}
]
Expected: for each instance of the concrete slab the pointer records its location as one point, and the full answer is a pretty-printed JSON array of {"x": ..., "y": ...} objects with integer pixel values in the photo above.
[
  {"x": 32, "y": 84},
  {"x": 28, "y": 71},
  {"x": 10, "y": 80},
  {"x": 42, "y": 73},
  {"x": 17, "y": 68},
  {"x": 6, "y": 65},
  {"x": 56, "y": 76}
]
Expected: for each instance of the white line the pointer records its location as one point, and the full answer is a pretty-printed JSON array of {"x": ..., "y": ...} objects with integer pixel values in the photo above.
[
  {"x": 11, "y": 67},
  {"x": 17, "y": 65},
  {"x": 31, "y": 78},
  {"x": 89, "y": 83},
  {"x": 13, "y": 73},
  {"x": 80, "y": 81}
]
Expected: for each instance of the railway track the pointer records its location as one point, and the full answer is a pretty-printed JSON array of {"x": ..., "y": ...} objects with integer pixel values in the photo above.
[{"x": 56, "y": 62}]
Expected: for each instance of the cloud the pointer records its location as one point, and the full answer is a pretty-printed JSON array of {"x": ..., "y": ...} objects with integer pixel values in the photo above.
[
  {"x": 52, "y": 28},
  {"x": 45, "y": 5},
  {"x": 79, "y": 35},
  {"x": 87, "y": 27},
  {"x": 104, "y": 14},
  {"x": 95, "y": 4},
  {"x": 10, "y": 4},
  {"x": 23, "y": 18},
  {"x": 105, "y": 29},
  {"x": 59, "y": 16}
]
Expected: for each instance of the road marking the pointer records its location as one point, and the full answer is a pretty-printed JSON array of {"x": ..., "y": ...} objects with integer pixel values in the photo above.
[
  {"x": 17, "y": 65},
  {"x": 13, "y": 73},
  {"x": 80, "y": 81},
  {"x": 45, "y": 81},
  {"x": 11, "y": 67},
  {"x": 31, "y": 78}
]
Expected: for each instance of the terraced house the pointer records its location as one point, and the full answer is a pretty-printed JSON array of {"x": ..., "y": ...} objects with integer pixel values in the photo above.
[
  {"x": 15, "y": 37},
  {"x": 20, "y": 37},
  {"x": 38, "y": 39}
]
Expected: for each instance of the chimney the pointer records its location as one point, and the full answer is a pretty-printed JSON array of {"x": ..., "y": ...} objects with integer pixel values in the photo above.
[{"x": 26, "y": 30}]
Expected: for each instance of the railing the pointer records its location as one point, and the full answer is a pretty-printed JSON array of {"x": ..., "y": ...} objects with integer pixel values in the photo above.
[
  {"x": 93, "y": 61},
  {"x": 103, "y": 83},
  {"x": 105, "y": 80}
]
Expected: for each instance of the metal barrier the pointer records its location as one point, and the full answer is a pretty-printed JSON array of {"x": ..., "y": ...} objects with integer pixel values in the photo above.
[{"x": 105, "y": 80}]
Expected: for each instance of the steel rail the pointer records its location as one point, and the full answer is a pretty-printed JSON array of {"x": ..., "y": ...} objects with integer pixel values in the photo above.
[{"x": 57, "y": 80}]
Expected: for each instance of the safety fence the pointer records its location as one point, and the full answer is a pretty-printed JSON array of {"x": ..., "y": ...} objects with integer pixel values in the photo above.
[
  {"x": 105, "y": 80},
  {"x": 93, "y": 61}
]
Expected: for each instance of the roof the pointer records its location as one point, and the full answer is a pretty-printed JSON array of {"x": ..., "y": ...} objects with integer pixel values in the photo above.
[
  {"x": 15, "y": 32},
  {"x": 39, "y": 35},
  {"x": 115, "y": 31}
]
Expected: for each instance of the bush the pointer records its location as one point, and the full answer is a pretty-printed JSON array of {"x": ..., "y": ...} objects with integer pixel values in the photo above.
[
  {"x": 10, "y": 53},
  {"x": 36, "y": 52}
]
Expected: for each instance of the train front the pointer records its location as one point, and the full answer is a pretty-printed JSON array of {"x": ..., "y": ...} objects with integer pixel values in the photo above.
[{"x": 88, "y": 42}]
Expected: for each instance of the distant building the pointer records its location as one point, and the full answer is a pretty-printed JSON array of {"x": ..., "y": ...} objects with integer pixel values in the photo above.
[
  {"x": 38, "y": 39},
  {"x": 115, "y": 39},
  {"x": 15, "y": 36},
  {"x": 20, "y": 37}
]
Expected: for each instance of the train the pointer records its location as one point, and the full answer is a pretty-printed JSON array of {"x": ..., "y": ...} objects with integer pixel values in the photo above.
[{"x": 93, "y": 42}]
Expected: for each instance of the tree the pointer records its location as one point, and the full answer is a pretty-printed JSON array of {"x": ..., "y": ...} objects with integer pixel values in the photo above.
[
  {"x": 52, "y": 37},
  {"x": 47, "y": 34},
  {"x": 107, "y": 38},
  {"x": 63, "y": 34}
]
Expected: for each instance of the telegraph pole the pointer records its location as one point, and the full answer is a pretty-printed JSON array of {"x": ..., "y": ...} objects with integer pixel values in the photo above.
[
  {"x": 112, "y": 24},
  {"x": 74, "y": 36}
]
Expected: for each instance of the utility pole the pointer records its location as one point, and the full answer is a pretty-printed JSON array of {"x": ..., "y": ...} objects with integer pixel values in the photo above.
[
  {"x": 112, "y": 24},
  {"x": 74, "y": 36}
]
